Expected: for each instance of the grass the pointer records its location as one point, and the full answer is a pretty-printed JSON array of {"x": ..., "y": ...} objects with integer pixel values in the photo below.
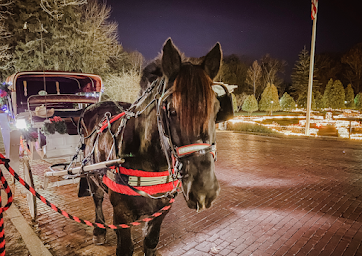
[
  {"x": 286, "y": 113},
  {"x": 250, "y": 127},
  {"x": 263, "y": 113}
]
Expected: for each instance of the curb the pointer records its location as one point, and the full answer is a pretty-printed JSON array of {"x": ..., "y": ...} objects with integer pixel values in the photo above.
[{"x": 31, "y": 240}]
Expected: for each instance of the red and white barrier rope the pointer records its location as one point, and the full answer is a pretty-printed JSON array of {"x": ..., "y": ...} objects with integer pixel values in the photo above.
[
  {"x": 6, "y": 187},
  {"x": 5, "y": 162}
]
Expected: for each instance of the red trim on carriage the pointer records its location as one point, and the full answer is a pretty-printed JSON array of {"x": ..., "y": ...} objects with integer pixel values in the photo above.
[
  {"x": 152, "y": 190},
  {"x": 138, "y": 173}
]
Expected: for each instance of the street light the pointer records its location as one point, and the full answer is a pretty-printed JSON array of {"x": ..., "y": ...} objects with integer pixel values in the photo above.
[{"x": 25, "y": 27}]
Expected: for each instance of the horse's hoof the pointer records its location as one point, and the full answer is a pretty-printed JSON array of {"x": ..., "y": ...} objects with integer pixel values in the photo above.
[
  {"x": 99, "y": 240},
  {"x": 151, "y": 252}
]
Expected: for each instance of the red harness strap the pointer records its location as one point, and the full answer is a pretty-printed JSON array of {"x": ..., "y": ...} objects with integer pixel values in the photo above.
[
  {"x": 138, "y": 173},
  {"x": 126, "y": 190},
  {"x": 105, "y": 122},
  {"x": 152, "y": 190}
]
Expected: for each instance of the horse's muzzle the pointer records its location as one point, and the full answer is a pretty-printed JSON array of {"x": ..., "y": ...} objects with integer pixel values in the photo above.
[{"x": 201, "y": 201}]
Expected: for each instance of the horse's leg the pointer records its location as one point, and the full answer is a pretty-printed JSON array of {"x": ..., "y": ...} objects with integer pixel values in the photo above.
[
  {"x": 99, "y": 234},
  {"x": 152, "y": 235},
  {"x": 122, "y": 215}
]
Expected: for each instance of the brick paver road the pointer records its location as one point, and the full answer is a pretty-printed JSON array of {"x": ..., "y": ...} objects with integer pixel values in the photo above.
[{"x": 279, "y": 196}]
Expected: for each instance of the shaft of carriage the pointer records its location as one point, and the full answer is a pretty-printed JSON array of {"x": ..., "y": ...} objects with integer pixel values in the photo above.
[{"x": 74, "y": 172}]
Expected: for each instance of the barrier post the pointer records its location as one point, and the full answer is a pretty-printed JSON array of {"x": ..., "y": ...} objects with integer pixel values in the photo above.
[
  {"x": 2, "y": 233},
  {"x": 14, "y": 150}
]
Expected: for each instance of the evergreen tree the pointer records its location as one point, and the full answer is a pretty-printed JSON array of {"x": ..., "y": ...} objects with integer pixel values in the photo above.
[
  {"x": 250, "y": 104},
  {"x": 287, "y": 102},
  {"x": 235, "y": 102},
  {"x": 358, "y": 101},
  {"x": 302, "y": 100},
  {"x": 300, "y": 74},
  {"x": 269, "y": 99},
  {"x": 326, "y": 96},
  {"x": 337, "y": 95},
  {"x": 318, "y": 98},
  {"x": 349, "y": 96}
]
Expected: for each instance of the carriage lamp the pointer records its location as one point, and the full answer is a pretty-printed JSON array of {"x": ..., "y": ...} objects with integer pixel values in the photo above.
[{"x": 21, "y": 124}]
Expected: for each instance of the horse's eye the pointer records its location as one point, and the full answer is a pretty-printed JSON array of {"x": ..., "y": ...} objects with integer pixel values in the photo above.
[{"x": 173, "y": 112}]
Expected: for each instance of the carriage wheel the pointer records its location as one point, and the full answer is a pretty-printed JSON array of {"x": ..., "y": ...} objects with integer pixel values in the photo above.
[{"x": 31, "y": 199}]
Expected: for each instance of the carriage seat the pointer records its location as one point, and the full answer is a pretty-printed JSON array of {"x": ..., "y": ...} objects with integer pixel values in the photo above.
[
  {"x": 61, "y": 105},
  {"x": 60, "y": 113}
]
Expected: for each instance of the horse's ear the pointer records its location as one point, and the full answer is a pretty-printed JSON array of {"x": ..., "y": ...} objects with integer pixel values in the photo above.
[
  {"x": 212, "y": 61},
  {"x": 171, "y": 59}
]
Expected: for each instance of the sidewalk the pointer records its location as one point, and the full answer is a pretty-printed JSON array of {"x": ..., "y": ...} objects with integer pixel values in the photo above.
[{"x": 279, "y": 196}]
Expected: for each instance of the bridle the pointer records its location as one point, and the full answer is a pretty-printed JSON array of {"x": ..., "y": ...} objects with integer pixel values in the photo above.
[{"x": 173, "y": 153}]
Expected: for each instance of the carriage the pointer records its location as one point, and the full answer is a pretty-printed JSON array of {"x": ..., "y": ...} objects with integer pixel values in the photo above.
[
  {"x": 40, "y": 116},
  {"x": 146, "y": 152}
]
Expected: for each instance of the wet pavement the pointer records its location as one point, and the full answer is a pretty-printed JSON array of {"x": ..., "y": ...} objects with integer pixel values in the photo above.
[{"x": 279, "y": 196}]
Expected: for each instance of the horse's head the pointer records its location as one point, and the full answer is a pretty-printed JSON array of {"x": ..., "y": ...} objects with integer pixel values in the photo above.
[{"x": 190, "y": 112}]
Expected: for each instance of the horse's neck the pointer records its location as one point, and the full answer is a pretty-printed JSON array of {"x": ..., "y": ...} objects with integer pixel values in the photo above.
[{"x": 141, "y": 140}]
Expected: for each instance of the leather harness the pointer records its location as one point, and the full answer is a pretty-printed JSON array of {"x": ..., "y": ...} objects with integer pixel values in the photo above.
[{"x": 144, "y": 183}]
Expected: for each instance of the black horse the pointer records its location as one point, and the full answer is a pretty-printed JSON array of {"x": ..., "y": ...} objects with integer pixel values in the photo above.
[{"x": 168, "y": 133}]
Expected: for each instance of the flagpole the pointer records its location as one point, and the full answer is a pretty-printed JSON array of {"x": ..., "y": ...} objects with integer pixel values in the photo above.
[{"x": 310, "y": 83}]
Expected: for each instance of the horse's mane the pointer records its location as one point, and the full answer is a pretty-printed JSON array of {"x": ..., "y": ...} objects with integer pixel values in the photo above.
[
  {"x": 193, "y": 99},
  {"x": 193, "y": 96}
]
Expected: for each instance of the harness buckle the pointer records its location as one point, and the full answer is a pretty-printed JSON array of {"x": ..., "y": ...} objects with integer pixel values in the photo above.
[{"x": 177, "y": 170}]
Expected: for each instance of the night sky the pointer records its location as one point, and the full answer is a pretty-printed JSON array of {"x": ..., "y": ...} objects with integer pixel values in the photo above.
[{"x": 251, "y": 28}]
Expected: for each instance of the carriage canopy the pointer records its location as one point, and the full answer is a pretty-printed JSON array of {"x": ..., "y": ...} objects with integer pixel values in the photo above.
[{"x": 56, "y": 89}]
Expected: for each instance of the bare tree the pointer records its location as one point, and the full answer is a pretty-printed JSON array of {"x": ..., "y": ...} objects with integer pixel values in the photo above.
[
  {"x": 5, "y": 55},
  {"x": 353, "y": 58},
  {"x": 327, "y": 66},
  {"x": 83, "y": 40},
  {"x": 55, "y": 8},
  {"x": 253, "y": 77},
  {"x": 271, "y": 68},
  {"x": 136, "y": 60},
  {"x": 123, "y": 87},
  {"x": 239, "y": 101}
]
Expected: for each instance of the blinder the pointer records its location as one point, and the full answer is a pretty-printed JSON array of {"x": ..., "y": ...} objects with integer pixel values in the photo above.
[
  {"x": 187, "y": 150},
  {"x": 225, "y": 99},
  {"x": 174, "y": 154}
]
